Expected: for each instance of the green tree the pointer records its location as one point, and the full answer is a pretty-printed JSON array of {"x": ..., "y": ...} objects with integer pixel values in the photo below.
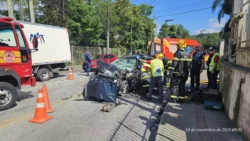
[
  {"x": 130, "y": 25},
  {"x": 207, "y": 40},
  {"x": 164, "y": 30},
  {"x": 54, "y": 12},
  {"x": 84, "y": 23},
  {"x": 173, "y": 31},
  {"x": 226, "y": 7}
]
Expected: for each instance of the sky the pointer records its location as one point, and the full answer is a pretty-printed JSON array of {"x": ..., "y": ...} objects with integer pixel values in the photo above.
[{"x": 192, "y": 21}]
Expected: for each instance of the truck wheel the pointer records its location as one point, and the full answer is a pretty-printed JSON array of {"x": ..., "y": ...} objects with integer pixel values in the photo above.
[
  {"x": 43, "y": 74},
  {"x": 8, "y": 96}
]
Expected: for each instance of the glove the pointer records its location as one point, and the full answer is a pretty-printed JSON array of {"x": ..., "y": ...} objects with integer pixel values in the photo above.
[{"x": 137, "y": 57}]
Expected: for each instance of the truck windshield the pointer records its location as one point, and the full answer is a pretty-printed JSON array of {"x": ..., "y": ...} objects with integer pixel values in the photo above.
[
  {"x": 7, "y": 38},
  {"x": 20, "y": 37}
]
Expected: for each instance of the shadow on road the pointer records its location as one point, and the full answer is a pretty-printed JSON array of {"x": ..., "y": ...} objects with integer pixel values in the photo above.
[
  {"x": 56, "y": 75},
  {"x": 133, "y": 126},
  {"x": 24, "y": 95}
]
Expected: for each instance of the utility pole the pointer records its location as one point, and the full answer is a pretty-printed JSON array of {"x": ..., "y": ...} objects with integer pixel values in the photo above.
[
  {"x": 169, "y": 20},
  {"x": 10, "y": 9},
  {"x": 202, "y": 31},
  {"x": 131, "y": 39},
  {"x": 108, "y": 11},
  {"x": 32, "y": 14}
]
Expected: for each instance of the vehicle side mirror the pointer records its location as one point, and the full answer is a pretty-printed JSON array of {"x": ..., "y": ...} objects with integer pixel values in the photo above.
[{"x": 35, "y": 43}]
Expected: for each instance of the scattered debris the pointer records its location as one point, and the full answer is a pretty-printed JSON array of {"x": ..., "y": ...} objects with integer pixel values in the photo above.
[
  {"x": 174, "y": 115},
  {"x": 66, "y": 97},
  {"x": 110, "y": 106}
]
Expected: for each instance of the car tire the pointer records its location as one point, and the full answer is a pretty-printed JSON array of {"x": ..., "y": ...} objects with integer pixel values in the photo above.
[
  {"x": 11, "y": 91},
  {"x": 43, "y": 74}
]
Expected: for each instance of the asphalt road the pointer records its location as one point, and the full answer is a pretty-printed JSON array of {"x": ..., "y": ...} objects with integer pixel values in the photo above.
[{"x": 77, "y": 119}]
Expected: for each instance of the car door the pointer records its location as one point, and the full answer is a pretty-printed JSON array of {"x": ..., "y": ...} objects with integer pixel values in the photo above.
[
  {"x": 106, "y": 59},
  {"x": 112, "y": 58}
]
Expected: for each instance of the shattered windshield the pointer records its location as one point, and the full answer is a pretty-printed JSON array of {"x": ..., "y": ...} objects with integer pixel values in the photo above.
[
  {"x": 7, "y": 37},
  {"x": 125, "y": 63}
]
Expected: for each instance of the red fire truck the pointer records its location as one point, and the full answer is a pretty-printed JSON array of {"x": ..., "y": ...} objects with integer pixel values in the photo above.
[
  {"x": 15, "y": 61},
  {"x": 168, "y": 46}
]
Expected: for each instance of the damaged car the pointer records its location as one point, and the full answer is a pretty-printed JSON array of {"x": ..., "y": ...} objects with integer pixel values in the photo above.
[{"x": 124, "y": 75}]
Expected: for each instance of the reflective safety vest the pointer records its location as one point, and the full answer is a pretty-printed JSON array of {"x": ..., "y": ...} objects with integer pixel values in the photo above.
[
  {"x": 211, "y": 65},
  {"x": 156, "y": 67}
]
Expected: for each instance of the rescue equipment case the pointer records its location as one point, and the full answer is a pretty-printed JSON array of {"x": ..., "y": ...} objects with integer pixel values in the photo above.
[
  {"x": 212, "y": 94},
  {"x": 213, "y": 105}
]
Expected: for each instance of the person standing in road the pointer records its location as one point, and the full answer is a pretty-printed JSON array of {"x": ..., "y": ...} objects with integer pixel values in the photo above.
[
  {"x": 208, "y": 62},
  {"x": 214, "y": 68},
  {"x": 157, "y": 72},
  {"x": 87, "y": 61},
  {"x": 197, "y": 66},
  {"x": 180, "y": 66}
]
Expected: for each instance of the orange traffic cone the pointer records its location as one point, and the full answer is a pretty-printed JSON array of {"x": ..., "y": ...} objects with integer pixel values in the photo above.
[
  {"x": 40, "y": 113},
  {"x": 46, "y": 99},
  {"x": 70, "y": 76}
]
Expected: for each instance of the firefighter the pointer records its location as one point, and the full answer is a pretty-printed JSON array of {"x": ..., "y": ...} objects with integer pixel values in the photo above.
[
  {"x": 197, "y": 66},
  {"x": 157, "y": 72},
  {"x": 167, "y": 64},
  {"x": 180, "y": 67},
  {"x": 214, "y": 68}
]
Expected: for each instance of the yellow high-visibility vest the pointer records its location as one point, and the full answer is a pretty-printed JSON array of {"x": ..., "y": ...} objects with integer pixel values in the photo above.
[
  {"x": 156, "y": 67},
  {"x": 211, "y": 65}
]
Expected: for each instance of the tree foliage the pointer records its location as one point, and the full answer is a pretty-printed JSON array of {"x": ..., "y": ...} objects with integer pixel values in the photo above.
[
  {"x": 226, "y": 7},
  {"x": 173, "y": 31},
  {"x": 130, "y": 25},
  {"x": 207, "y": 40}
]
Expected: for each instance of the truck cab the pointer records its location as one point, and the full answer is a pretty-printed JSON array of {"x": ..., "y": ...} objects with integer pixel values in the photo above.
[
  {"x": 169, "y": 47},
  {"x": 15, "y": 61}
]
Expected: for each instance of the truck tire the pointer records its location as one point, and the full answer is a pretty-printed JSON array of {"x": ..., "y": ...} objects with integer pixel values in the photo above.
[
  {"x": 8, "y": 96},
  {"x": 43, "y": 74}
]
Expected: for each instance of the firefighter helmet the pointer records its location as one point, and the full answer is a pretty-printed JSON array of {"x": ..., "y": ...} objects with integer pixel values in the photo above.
[
  {"x": 159, "y": 56},
  {"x": 182, "y": 44}
]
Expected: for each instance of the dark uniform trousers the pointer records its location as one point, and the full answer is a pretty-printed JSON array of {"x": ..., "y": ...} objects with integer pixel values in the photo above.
[
  {"x": 195, "y": 77},
  {"x": 208, "y": 73},
  {"x": 212, "y": 83},
  {"x": 182, "y": 85},
  {"x": 156, "y": 80}
]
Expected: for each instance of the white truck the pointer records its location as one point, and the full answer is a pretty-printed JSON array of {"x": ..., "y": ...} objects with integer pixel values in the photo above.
[{"x": 54, "y": 48}]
